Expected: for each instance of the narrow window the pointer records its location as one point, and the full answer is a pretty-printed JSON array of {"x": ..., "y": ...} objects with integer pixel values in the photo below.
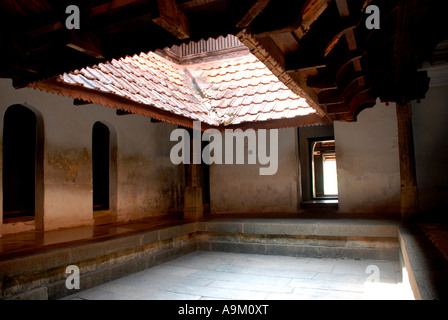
[
  {"x": 19, "y": 162},
  {"x": 100, "y": 166}
]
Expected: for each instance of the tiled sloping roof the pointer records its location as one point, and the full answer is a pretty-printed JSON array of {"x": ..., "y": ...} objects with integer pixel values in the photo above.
[
  {"x": 244, "y": 90},
  {"x": 147, "y": 79},
  {"x": 218, "y": 93}
]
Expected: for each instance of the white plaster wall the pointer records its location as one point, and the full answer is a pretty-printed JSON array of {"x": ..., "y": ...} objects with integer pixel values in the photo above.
[
  {"x": 239, "y": 188},
  {"x": 431, "y": 148},
  {"x": 148, "y": 184},
  {"x": 368, "y": 171},
  {"x": 368, "y": 162}
]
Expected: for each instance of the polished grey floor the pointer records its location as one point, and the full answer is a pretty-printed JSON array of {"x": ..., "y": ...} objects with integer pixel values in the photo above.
[{"x": 219, "y": 275}]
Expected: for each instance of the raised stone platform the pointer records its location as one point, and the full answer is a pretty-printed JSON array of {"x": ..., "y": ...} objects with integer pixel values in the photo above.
[
  {"x": 350, "y": 239},
  {"x": 426, "y": 265},
  {"x": 32, "y": 266}
]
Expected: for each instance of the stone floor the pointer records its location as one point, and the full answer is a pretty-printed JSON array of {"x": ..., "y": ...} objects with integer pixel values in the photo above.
[{"x": 235, "y": 276}]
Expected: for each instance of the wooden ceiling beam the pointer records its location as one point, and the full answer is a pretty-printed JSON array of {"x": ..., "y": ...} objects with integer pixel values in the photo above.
[
  {"x": 346, "y": 74},
  {"x": 253, "y": 12},
  {"x": 311, "y": 11},
  {"x": 320, "y": 42},
  {"x": 45, "y": 29},
  {"x": 353, "y": 88},
  {"x": 269, "y": 32},
  {"x": 194, "y": 4},
  {"x": 113, "y": 101},
  {"x": 344, "y": 12},
  {"x": 86, "y": 42},
  {"x": 332, "y": 96},
  {"x": 270, "y": 45},
  {"x": 339, "y": 108},
  {"x": 172, "y": 19},
  {"x": 421, "y": 25},
  {"x": 293, "y": 80},
  {"x": 323, "y": 80},
  {"x": 351, "y": 40},
  {"x": 84, "y": 39},
  {"x": 111, "y": 5},
  {"x": 335, "y": 40},
  {"x": 349, "y": 110},
  {"x": 274, "y": 18},
  {"x": 342, "y": 58},
  {"x": 361, "y": 99},
  {"x": 304, "y": 58}
]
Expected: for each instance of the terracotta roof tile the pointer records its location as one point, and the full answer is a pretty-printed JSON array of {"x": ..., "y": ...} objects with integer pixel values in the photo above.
[{"x": 218, "y": 92}]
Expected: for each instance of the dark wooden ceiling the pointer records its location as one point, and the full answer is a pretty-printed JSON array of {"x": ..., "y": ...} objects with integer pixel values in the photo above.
[{"x": 321, "y": 48}]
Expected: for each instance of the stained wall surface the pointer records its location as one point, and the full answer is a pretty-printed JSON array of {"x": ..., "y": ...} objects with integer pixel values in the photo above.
[
  {"x": 239, "y": 188},
  {"x": 431, "y": 144},
  {"x": 368, "y": 162},
  {"x": 147, "y": 183}
]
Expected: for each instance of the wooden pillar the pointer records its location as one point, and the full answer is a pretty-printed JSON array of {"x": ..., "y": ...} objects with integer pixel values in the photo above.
[
  {"x": 193, "y": 207},
  {"x": 409, "y": 193}
]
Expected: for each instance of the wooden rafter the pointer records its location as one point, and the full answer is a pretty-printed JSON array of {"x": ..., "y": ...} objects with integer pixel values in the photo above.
[
  {"x": 323, "y": 80},
  {"x": 172, "y": 19},
  {"x": 344, "y": 12},
  {"x": 335, "y": 40},
  {"x": 86, "y": 42},
  {"x": 288, "y": 78},
  {"x": 339, "y": 108},
  {"x": 311, "y": 11},
  {"x": 253, "y": 12},
  {"x": 111, "y": 5},
  {"x": 113, "y": 101},
  {"x": 304, "y": 58},
  {"x": 332, "y": 96},
  {"x": 313, "y": 46}
]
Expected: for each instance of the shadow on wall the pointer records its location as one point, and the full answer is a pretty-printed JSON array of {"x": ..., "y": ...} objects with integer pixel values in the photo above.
[{"x": 23, "y": 157}]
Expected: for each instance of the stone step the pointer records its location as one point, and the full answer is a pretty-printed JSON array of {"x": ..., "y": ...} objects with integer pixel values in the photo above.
[
  {"x": 42, "y": 275},
  {"x": 390, "y": 253},
  {"x": 303, "y": 227},
  {"x": 324, "y": 239}
]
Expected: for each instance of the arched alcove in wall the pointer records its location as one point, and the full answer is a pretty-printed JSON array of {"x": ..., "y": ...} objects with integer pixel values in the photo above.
[
  {"x": 104, "y": 167},
  {"x": 22, "y": 185}
]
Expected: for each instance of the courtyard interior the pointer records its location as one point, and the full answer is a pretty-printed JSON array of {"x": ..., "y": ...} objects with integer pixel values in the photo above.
[
  {"x": 204, "y": 275},
  {"x": 224, "y": 257}
]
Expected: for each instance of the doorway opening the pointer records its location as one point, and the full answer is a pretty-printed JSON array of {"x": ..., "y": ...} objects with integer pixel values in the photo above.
[
  {"x": 324, "y": 170},
  {"x": 317, "y": 165},
  {"x": 20, "y": 159},
  {"x": 100, "y": 166}
]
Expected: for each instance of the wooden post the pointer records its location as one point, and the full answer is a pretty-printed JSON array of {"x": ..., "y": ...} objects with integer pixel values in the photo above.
[
  {"x": 193, "y": 207},
  {"x": 409, "y": 193}
]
